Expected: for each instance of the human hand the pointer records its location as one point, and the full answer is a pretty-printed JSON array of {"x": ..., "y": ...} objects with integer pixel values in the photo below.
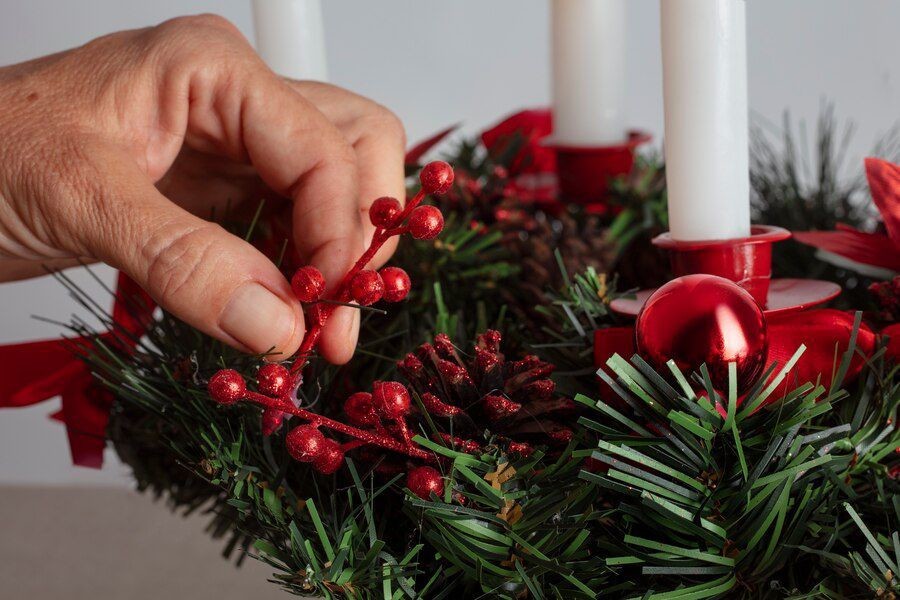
[{"x": 115, "y": 151}]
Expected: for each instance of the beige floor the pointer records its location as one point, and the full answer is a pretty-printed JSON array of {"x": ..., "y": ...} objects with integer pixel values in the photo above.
[{"x": 109, "y": 543}]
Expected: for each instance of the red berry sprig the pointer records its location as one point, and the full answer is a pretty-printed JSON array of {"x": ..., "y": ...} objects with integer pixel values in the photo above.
[{"x": 276, "y": 385}]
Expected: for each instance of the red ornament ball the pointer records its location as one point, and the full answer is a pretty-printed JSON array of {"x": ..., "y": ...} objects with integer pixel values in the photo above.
[
  {"x": 273, "y": 380},
  {"x": 360, "y": 409},
  {"x": 699, "y": 319},
  {"x": 366, "y": 287},
  {"x": 227, "y": 387},
  {"x": 308, "y": 284},
  {"x": 391, "y": 399},
  {"x": 436, "y": 177},
  {"x": 396, "y": 284},
  {"x": 384, "y": 212},
  {"x": 330, "y": 459},
  {"x": 423, "y": 481},
  {"x": 305, "y": 443},
  {"x": 426, "y": 223}
]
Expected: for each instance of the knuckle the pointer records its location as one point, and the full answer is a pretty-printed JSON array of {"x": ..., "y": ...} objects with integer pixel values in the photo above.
[
  {"x": 201, "y": 35},
  {"x": 382, "y": 122},
  {"x": 184, "y": 258},
  {"x": 209, "y": 24}
]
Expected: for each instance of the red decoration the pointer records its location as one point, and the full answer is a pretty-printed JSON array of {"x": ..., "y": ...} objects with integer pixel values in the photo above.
[
  {"x": 360, "y": 409},
  {"x": 308, "y": 284},
  {"x": 273, "y": 379},
  {"x": 50, "y": 368},
  {"x": 699, "y": 319},
  {"x": 227, "y": 387},
  {"x": 272, "y": 418},
  {"x": 384, "y": 212},
  {"x": 366, "y": 287},
  {"x": 426, "y": 223},
  {"x": 391, "y": 399},
  {"x": 414, "y": 154},
  {"x": 526, "y": 130},
  {"x": 330, "y": 457},
  {"x": 826, "y": 334},
  {"x": 396, "y": 284},
  {"x": 436, "y": 177},
  {"x": 424, "y": 481},
  {"x": 873, "y": 249},
  {"x": 585, "y": 172},
  {"x": 745, "y": 261},
  {"x": 305, "y": 443}
]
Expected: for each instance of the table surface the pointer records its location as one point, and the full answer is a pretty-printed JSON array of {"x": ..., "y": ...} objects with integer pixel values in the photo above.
[{"x": 85, "y": 543}]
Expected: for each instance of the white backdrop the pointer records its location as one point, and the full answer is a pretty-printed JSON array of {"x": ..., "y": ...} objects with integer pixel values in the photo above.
[{"x": 470, "y": 61}]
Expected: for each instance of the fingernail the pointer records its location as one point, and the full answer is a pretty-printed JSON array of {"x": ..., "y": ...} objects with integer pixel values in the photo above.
[{"x": 257, "y": 318}]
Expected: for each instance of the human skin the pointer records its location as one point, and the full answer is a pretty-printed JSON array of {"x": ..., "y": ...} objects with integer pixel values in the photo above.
[{"x": 119, "y": 150}]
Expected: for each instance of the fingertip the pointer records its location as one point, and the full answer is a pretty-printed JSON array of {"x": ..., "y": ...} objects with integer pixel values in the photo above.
[
  {"x": 262, "y": 321},
  {"x": 340, "y": 336}
]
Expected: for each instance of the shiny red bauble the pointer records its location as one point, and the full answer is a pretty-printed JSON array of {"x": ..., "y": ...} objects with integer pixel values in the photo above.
[
  {"x": 384, "y": 212},
  {"x": 424, "y": 481},
  {"x": 426, "y": 223},
  {"x": 308, "y": 284},
  {"x": 330, "y": 458},
  {"x": 396, "y": 284},
  {"x": 227, "y": 387},
  {"x": 360, "y": 409},
  {"x": 699, "y": 319},
  {"x": 304, "y": 443},
  {"x": 436, "y": 177},
  {"x": 391, "y": 398},
  {"x": 273, "y": 380},
  {"x": 366, "y": 287}
]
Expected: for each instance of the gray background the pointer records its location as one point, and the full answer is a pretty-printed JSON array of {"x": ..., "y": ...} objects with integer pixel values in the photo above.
[{"x": 469, "y": 61}]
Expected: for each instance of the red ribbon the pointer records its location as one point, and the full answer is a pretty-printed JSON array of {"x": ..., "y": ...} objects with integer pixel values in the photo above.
[
  {"x": 825, "y": 332},
  {"x": 37, "y": 371}
]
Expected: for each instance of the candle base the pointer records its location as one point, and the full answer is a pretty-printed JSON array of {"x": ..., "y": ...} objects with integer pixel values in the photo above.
[
  {"x": 747, "y": 262},
  {"x": 585, "y": 172}
]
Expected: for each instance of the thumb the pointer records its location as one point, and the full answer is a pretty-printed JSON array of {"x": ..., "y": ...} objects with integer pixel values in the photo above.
[{"x": 212, "y": 280}]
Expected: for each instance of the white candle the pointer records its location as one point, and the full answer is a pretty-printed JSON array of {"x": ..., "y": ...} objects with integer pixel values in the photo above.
[
  {"x": 588, "y": 71},
  {"x": 704, "y": 48},
  {"x": 290, "y": 37}
]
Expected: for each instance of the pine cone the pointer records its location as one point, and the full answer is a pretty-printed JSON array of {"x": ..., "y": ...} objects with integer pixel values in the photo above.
[{"x": 514, "y": 401}]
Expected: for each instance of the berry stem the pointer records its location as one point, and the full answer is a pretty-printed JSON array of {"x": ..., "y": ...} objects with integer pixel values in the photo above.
[
  {"x": 341, "y": 293},
  {"x": 365, "y": 437}
]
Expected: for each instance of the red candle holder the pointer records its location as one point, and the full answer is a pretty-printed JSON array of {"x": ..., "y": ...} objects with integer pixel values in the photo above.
[
  {"x": 747, "y": 262},
  {"x": 584, "y": 172}
]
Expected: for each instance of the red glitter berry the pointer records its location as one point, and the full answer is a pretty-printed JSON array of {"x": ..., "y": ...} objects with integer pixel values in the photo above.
[
  {"x": 424, "y": 481},
  {"x": 396, "y": 284},
  {"x": 366, "y": 287},
  {"x": 308, "y": 284},
  {"x": 426, "y": 223},
  {"x": 330, "y": 459},
  {"x": 273, "y": 380},
  {"x": 436, "y": 177},
  {"x": 384, "y": 212},
  {"x": 226, "y": 387},
  {"x": 360, "y": 409},
  {"x": 391, "y": 399},
  {"x": 305, "y": 443}
]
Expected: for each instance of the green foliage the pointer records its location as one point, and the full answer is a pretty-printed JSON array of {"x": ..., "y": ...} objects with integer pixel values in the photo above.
[
  {"x": 720, "y": 499},
  {"x": 805, "y": 184}
]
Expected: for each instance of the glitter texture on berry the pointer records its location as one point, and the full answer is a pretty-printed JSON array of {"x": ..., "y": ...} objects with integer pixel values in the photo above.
[
  {"x": 436, "y": 177},
  {"x": 308, "y": 284},
  {"x": 227, "y": 387}
]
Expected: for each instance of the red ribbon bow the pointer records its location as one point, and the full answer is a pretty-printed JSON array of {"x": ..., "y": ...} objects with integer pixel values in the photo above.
[{"x": 37, "y": 371}]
